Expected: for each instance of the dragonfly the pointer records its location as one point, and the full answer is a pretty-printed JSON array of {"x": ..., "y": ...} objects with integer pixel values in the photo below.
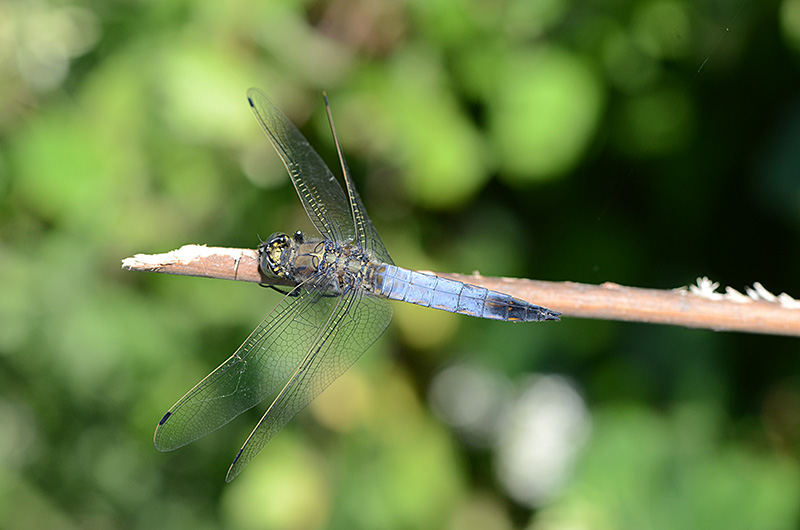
[{"x": 336, "y": 308}]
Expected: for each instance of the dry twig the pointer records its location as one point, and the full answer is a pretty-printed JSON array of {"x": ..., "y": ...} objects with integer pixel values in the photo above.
[{"x": 699, "y": 306}]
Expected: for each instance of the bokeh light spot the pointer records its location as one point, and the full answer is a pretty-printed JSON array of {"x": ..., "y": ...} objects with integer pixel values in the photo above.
[{"x": 545, "y": 113}]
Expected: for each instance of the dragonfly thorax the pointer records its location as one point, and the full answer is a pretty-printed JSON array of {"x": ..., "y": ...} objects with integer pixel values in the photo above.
[{"x": 297, "y": 259}]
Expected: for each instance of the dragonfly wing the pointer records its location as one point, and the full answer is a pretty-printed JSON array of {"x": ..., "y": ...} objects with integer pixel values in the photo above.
[
  {"x": 255, "y": 372},
  {"x": 356, "y": 321},
  {"x": 322, "y": 196},
  {"x": 365, "y": 234}
]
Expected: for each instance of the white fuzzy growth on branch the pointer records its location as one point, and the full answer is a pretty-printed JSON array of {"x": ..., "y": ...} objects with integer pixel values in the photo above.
[{"x": 758, "y": 293}]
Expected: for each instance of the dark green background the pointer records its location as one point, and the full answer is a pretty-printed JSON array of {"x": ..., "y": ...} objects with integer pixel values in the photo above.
[{"x": 645, "y": 143}]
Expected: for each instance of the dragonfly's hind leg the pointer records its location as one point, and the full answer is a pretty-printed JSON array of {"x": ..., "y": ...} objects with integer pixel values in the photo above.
[{"x": 281, "y": 289}]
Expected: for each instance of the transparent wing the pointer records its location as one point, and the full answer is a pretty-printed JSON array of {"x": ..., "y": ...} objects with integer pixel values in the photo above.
[
  {"x": 356, "y": 321},
  {"x": 366, "y": 236},
  {"x": 255, "y": 372},
  {"x": 322, "y": 196}
]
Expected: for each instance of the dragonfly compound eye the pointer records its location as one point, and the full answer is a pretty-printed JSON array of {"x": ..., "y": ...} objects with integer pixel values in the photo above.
[{"x": 270, "y": 253}]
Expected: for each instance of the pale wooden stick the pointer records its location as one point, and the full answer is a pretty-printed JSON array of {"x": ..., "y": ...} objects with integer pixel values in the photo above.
[
  {"x": 697, "y": 307},
  {"x": 240, "y": 264}
]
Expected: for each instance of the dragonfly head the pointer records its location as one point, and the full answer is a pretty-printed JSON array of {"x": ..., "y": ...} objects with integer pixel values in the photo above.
[{"x": 273, "y": 254}]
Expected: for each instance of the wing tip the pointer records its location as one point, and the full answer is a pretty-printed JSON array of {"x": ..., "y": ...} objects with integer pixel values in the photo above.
[
  {"x": 252, "y": 94},
  {"x": 164, "y": 419},
  {"x": 233, "y": 471},
  {"x": 160, "y": 439}
]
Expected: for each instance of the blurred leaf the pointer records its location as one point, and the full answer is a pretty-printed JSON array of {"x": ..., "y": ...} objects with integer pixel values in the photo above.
[
  {"x": 657, "y": 122},
  {"x": 546, "y": 110},
  {"x": 442, "y": 154}
]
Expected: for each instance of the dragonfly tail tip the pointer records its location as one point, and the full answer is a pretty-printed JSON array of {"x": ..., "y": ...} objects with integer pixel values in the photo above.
[{"x": 548, "y": 314}]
